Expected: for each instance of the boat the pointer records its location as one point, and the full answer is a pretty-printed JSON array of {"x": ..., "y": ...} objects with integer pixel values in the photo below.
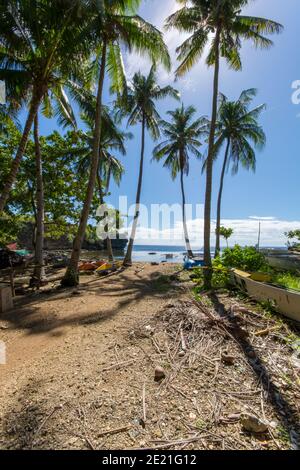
[
  {"x": 91, "y": 265},
  {"x": 285, "y": 301},
  {"x": 287, "y": 261},
  {"x": 106, "y": 267},
  {"x": 11, "y": 259},
  {"x": 191, "y": 263}
]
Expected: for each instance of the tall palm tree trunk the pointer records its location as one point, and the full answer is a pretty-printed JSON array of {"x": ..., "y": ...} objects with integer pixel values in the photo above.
[
  {"x": 39, "y": 270},
  {"x": 109, "y": 248},
  {"x": 186, "y": 235},
  {"x": 34, "y": 106},
  {"x": 209, "y": 168},
  {"x": 128, "y": 256},
  {"x": 71, "y": 277},
  {"x": 107, "y": 238},
  {"x": 220, "y": 199}
]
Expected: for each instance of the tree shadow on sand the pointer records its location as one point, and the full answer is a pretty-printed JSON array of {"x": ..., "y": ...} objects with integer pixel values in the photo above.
[{"x": 121, "y": 288}]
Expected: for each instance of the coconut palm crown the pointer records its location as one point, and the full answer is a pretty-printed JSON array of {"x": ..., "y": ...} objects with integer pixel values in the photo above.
[
  {"x": 239, "y": 130},
  {"x": 183, "y": 138}
]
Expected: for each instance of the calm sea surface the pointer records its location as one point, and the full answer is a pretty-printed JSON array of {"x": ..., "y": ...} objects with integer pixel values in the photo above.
[{"x": 151, "y": 253}]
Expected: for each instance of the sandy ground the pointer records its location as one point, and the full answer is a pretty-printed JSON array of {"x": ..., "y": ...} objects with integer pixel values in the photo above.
[
  {"x": 53, "y": 340},
  {"x": 80, "y": 373},
  {"x": 42, "y": 322}
]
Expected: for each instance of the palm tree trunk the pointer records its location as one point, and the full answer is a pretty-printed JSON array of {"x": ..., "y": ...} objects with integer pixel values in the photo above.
[
  {"x": 35, "y": 102},
  {"x": 209, "y": 168},
  {"x": 39, "y": 270},
  {"x": 71, "y": 277},
  {"x": 128, "y": 256},
  {"x": 220, "y": 200},
  {"x": 107, "y": 238},
  {"x": 34, "y": 211},
  {"x": 186, "y": 235}
]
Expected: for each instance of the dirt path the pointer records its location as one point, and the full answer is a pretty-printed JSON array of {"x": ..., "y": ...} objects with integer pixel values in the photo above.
[
  {"x": 52, "y": 341},
  {"x": 80, "y": 369},
  {"x": 40, "y": 325}
]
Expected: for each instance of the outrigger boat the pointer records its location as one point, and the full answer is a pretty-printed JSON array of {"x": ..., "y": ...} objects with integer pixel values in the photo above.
[
  {"x": 91, "y": 265},
  {"x": 107, "y": 267},
  {"x": 191, "y": 263},
  {"x": 285, "y": 301}
]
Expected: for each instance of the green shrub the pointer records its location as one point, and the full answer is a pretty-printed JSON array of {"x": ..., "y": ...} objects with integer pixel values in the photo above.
[
  {"x": 247, "y": 258},
  {"x": 287, "y": 280},
  {"x": 220, "y": 276}
]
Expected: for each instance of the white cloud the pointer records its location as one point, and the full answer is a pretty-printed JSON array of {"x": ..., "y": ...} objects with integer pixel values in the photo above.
[
  {"x": 257, "y": 217},
  {"x": 245, "y": 232}
]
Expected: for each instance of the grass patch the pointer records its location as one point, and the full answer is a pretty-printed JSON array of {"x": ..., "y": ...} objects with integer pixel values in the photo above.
[{"x": 287, "y": 280}]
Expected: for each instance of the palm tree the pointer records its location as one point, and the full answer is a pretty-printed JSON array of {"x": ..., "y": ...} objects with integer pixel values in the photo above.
[
  {"x": 39, "y": 270},
  {"x": 114, "y": 23},
  {"x": 54, "y": 103},
  {"x": 110, "y": 167},
  {"x": 183, "y": 138},
  {"x": 41, "y": 43},
  {"x": 112, "y": 142},
  {"x": 220, "y": 23},
  {"x": 138, "y": 102},
  {"x": 238, "y": 128}
]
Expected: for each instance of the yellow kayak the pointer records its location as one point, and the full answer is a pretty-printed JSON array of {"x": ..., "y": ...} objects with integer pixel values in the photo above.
[{"x": 109, "y": 266}]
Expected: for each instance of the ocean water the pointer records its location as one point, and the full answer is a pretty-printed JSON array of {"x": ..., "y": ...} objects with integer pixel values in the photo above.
[
  {"x": 152, "y": 253},
  {"x": 159, "y": 253}
]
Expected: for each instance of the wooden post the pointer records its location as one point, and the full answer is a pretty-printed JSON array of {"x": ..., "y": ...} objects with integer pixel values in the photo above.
[{"x": 12, "y": 281}]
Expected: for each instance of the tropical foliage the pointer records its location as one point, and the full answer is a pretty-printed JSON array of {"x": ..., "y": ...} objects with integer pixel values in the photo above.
[
  {"x": 225, "y": 233},
  {"x": 293, "y": 239},
  {"x": 246, "y": 259}
]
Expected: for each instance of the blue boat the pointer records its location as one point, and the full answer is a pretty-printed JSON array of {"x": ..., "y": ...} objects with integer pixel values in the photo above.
[{"x": 191, "y": 263}]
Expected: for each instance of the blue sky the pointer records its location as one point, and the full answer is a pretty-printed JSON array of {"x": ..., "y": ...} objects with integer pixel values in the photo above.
[{"x": 273, "y": 192}]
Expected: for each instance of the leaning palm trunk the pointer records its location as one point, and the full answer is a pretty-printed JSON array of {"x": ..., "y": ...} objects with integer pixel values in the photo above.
[
  {"x": 71, "y": 277},
  {"x": 34, "y": 106},
  {"x": 128, "y": 256},
  {"x": 39, "y": 270},
  {"x": 220, "y": 200},
  {"x": 186, "y": 235},
  {"x": 209, "y": 169}
]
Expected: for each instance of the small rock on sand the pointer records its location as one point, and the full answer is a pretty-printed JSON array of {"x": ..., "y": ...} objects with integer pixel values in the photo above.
[
  {"x": 253, "y": 424},
  {"x": 159, "y": 374}
]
